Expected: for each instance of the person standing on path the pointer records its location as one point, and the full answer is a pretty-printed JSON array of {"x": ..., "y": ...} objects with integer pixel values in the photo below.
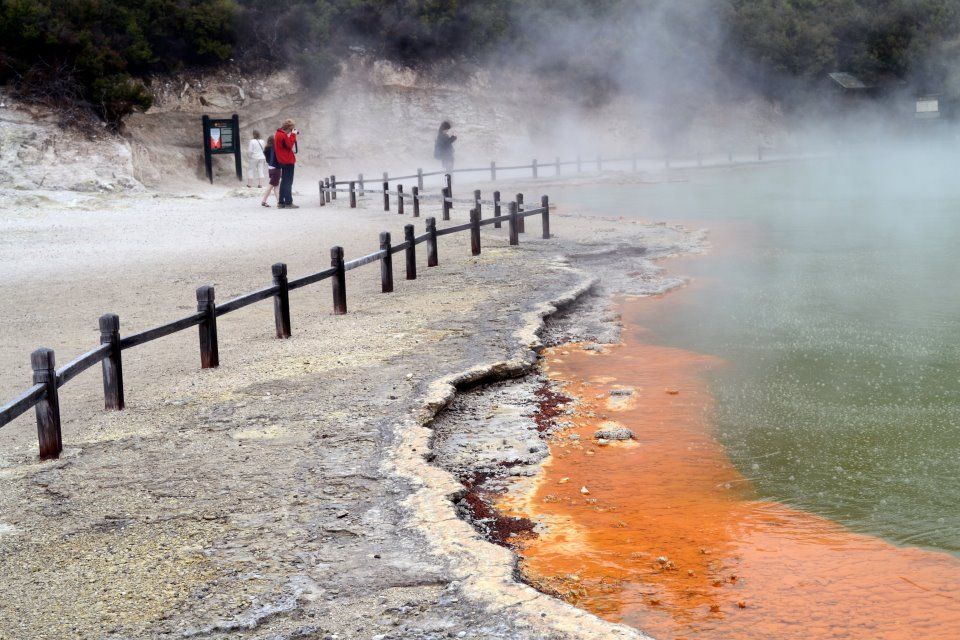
[
  {"x": 255, "y": 152},
  {"x": 443, "y": 147},
  {"x": 272, "y": 171},
  {"x": 284, "y": 142}
]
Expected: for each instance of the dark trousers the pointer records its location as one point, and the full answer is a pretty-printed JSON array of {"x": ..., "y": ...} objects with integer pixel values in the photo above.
[{"x": 286, "y": 184}]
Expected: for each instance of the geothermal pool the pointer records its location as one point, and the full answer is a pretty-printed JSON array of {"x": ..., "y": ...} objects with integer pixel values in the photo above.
[{"x": 797, "y": 410}]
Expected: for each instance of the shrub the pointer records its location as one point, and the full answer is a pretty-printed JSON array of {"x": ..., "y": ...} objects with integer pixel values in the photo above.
[
  {"x": 117, "y": 96},
  {"x": 92, "y": 52}
]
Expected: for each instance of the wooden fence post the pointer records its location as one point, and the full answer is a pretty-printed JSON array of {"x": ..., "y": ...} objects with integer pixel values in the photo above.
[
  {"x": 433, "y": 259},
  {"x": 386, "y": 196},
  {"x": 496, "y": 208},
  {"x": 323, "y": 196},
  {"x": 281, "y": 300},
  {"x": 386, "y": 263},
  {"x": 493, "y": 170},
  {"x": 360, "y": 180},
  {"x": 416, "y": 202},
  {"x": 475, "y": 232},
  {"x": 111, "y": 365},
  {"x": 399, "y": 198},
  {"x": 353, "y": 195},
  {"x": 448, "y": 177},
  {"x": 339, "y": 281},
  {"x": 521, "y": 227},
  {"x": 411, "y": 251},
  {"x": 386, "y": 178},
  {"x": 209, "y": 348},
  {"x": 476, "y": 201},
  {"x": 514, "y": 237},
  {"x": 333, "y": 185},
  {"x": 545, "y": 216},
  {"x": 558, "y": 166},
  {"x": 329, "y": 187},
  {"x": 533, "y": 165},
  {"x": 446, "y": 202},
  {"x": 47, "y": 409},
  {"x": 419, "y": 178}
]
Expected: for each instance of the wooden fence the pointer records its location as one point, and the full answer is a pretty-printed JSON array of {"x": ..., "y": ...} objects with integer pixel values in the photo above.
[
  {"x": 47, "y": 378},
  {"x": 355, "y": 189},
  {"x": 632, "y": 162}
]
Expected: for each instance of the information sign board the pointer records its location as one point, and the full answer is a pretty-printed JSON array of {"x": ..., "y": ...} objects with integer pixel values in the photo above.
[{"x": 220, "y": 136}]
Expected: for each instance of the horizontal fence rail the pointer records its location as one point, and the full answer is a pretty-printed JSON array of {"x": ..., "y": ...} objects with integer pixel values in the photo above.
[
  {"x": 81, "y": 363},
  {"x": 244, "y": 300},
  {"x": 21, "y": 403},
  {"x": 315, "y": 277},
  {"x": 359, "y": 262},
  {"x": 159, "y": 332},
  {"x": 43, "y": 395}
]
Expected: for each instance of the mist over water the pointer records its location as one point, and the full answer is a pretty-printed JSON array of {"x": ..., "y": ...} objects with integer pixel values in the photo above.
[{"x": 831, "y": 293}]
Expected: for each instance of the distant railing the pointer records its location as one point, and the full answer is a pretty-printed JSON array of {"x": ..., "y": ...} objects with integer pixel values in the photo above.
[
  {"x": 416, "y": 196},
  {"x": 47, "y": 379},
  {"x": 699, "y": 159}
]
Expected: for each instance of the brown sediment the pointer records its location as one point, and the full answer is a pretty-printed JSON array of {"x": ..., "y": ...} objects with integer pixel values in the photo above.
[
  {"x": 664, "y": 534},
  {"x": 550, "y": 405},
  {"x": 498, "y": 527}
]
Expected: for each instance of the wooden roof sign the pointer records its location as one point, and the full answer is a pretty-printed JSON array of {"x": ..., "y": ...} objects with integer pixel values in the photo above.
[{"x": 848, "y": 81}]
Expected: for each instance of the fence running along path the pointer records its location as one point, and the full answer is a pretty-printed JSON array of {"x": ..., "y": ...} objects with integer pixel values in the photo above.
[
  {"x": 699, "y": 159},
  {"x": 47, "y": 378}
]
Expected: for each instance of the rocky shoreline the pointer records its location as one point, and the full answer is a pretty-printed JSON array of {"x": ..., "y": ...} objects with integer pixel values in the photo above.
[{"x": 491, "y": 435}]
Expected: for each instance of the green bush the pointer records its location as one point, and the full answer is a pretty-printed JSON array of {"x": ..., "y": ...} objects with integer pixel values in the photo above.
[
  {"x": 93, "y": 52},
  {"x": 316, "y": 69},
  {"x": 118, "y": 96}
]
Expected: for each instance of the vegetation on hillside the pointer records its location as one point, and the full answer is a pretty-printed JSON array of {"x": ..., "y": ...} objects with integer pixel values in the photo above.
[
  {"x": 876, "y": 40},
  {"x": 95, "y": 53}
]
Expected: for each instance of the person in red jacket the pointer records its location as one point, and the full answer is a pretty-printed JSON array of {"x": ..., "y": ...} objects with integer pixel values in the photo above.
[{"x": 284, "y": 142}]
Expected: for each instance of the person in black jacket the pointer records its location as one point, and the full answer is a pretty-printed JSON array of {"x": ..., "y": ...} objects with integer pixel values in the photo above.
[
  {"x": 443, "y": 147},
  {"x": 273, "y": 171}
]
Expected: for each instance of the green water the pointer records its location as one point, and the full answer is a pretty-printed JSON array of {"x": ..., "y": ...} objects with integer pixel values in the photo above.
[{"x": 834, "y": 295}]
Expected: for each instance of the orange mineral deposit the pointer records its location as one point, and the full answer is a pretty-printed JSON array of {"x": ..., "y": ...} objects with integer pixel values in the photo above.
[{"x": 671, "y": 539}]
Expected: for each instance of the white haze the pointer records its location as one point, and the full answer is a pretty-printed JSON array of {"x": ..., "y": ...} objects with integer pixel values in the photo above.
[{"x": 648, "y": 81}]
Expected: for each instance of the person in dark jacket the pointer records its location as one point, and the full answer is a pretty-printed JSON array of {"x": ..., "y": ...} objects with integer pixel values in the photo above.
[
  {"x": 284, "y": 142},
  {"x": 272, "y": 171},
  {"x": 443, "y": 147}
]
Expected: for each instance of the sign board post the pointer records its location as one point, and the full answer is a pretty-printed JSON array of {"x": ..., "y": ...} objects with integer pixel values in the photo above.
[{"x": 221, "y": 135}]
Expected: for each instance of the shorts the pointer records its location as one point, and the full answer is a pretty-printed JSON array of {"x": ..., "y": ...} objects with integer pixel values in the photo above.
[
  {"x": 260, "y": 165},
  {"x": 274, "y": 177}
]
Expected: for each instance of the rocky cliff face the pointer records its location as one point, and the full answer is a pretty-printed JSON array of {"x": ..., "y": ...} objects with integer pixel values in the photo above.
[
  {"x": 36, "y": 154},
  {"x": 374, "y": 117}
]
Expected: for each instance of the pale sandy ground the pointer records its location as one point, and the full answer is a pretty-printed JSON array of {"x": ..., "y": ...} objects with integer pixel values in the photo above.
[{"x": 285, "y": 494}]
